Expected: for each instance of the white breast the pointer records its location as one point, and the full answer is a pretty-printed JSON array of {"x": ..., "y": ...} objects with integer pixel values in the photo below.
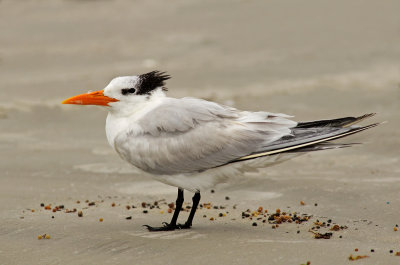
[{"x": 124, "y": 119}]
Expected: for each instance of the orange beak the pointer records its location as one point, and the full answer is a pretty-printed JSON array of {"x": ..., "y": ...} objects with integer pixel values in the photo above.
[{"x": 93, "y": 98}]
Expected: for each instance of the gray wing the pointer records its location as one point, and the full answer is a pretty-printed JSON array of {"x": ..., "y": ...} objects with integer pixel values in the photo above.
[{"x": 191, "y": 135}]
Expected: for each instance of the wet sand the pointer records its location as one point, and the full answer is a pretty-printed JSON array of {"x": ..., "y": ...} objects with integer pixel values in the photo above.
[{"x": 315, "y": 60}]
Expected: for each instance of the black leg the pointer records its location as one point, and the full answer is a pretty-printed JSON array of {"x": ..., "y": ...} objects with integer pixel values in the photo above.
[
  {"x": 196, "y": 200},
  {"x": 172, "y": 225},
  {"x": 178, "y": 207}
]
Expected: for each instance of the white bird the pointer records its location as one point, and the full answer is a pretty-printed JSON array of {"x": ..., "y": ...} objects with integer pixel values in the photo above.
[{"x": 194, "y": 144}]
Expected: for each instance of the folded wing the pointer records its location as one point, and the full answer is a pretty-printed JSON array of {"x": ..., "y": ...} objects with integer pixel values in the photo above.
[{"x": 191, "y": 135}]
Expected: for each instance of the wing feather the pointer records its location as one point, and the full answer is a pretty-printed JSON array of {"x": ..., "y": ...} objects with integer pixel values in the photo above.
[{"x": 191, "y": 135}]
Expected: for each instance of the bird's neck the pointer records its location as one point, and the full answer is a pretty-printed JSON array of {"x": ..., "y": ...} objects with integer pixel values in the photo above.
[{"x": 124, "y": 116}]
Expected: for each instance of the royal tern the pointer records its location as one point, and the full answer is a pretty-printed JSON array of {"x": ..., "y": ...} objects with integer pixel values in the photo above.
[{"x": 194, "y": 144}]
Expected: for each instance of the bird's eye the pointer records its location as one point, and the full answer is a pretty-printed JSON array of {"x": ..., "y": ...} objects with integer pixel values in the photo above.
[{"x": 126, "y": 91}]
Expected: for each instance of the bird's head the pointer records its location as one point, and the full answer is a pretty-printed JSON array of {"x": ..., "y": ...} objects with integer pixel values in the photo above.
[{"x": 123, "y": 90}]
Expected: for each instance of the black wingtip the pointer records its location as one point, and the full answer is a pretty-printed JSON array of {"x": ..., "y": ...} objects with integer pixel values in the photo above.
[
  {"x": 340, "y": 122},
  {"x": 293, "y": 148},
  {"x": 360, "y": 119}
]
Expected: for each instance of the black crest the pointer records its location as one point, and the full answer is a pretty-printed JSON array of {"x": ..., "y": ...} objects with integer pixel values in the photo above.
[{"x": 150, "y": 81}]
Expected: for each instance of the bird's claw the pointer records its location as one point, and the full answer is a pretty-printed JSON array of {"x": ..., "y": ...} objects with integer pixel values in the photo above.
[
  {"x": 167, "y": 227},
  {"x": 184, "y": 226}
]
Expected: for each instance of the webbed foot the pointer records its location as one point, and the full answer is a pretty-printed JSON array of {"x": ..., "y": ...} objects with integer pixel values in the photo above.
[{"x": 167, "y": 227}]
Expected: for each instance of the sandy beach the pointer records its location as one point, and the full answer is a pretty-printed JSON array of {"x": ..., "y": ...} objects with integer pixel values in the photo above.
[{"x": 313, "y": 60}]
